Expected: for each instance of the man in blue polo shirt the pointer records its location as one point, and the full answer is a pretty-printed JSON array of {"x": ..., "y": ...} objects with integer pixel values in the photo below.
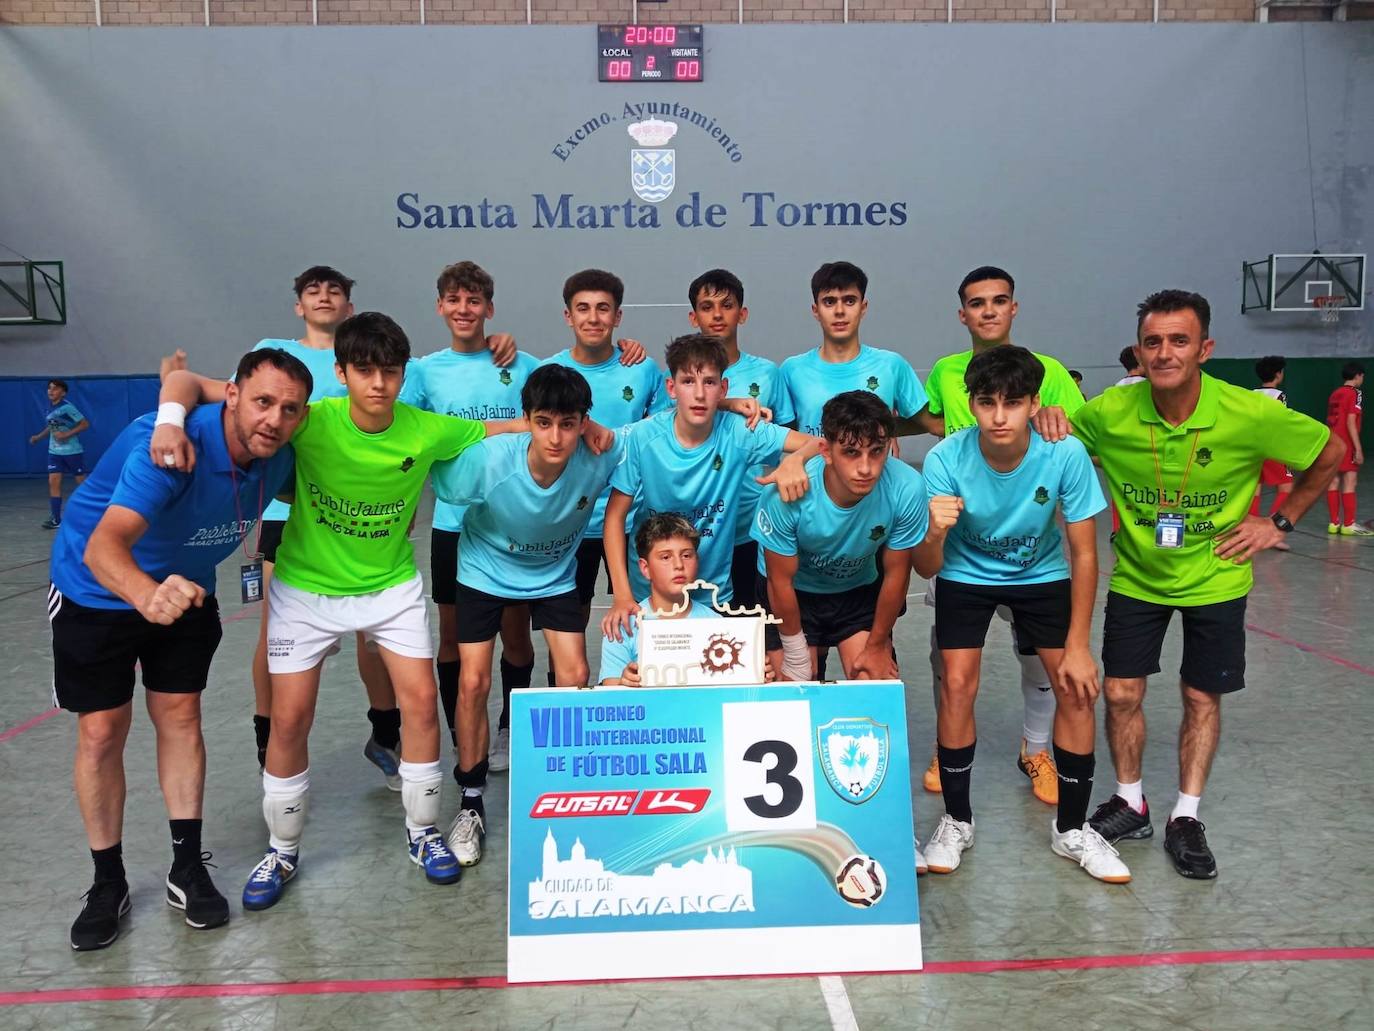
[{"x": 133, "y": 582}]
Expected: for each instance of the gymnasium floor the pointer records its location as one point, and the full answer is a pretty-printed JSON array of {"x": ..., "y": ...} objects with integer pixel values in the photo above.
[{"x": 1017, "y": 938}]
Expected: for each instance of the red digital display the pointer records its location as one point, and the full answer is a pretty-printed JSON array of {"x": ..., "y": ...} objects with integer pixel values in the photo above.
[{"x": 649, "y": 53}]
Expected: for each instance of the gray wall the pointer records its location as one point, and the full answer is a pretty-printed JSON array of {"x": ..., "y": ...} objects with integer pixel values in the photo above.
[{"x": 186, "y": 176}]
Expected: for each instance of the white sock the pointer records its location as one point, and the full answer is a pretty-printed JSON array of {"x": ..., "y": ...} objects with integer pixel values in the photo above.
[
  {"x": 284, "y": 803},
  {"x": 1185, "y": 806},
  {"x": 1133, "y": 793},
  {"x": 1039, "y": 703},
  {"x": 421, "y": 785}
]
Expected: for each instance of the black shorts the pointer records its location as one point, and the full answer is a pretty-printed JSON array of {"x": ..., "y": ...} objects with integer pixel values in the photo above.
[
  {"x": 744, "y": 574},
  {"x": 1039, "y": 612},
  {"x": 479, "y": 614},
  {"x": 591, "y": 556},
  {"x": 269, "y": 538},
  {"x": 443, "y": 565},
  {"x": 95, "y": 651},
  {"x": 827, "y": 619},
  {"x": 1213, "y": 641}
]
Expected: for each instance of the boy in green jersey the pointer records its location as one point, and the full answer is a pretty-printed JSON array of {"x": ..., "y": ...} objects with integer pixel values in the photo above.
[
  {"x": 1182, "y": 454},
  {"x": 987, "y": 309}
]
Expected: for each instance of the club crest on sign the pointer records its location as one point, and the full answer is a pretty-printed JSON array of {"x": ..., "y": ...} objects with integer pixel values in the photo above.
[
  {"x": 653, "y": 166},
  {"x": 853, "y": 752}
]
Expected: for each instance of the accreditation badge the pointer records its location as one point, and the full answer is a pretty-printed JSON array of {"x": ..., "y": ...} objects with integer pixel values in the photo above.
[
  {"x": 251, "y": 578},
  {"x": 1169, "y": 530}
]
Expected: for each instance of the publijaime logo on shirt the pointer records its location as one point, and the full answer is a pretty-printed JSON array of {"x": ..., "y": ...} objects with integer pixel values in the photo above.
[{"x": 1042, "y": 496}]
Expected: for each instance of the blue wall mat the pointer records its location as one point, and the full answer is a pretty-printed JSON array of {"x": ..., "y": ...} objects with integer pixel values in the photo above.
[{"x": 109, "y": 403}]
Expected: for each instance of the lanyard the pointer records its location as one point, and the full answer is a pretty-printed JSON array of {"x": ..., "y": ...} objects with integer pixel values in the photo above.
[
  {"x": 1159, "y": 474},
  {"x": 238, "y": 512}
]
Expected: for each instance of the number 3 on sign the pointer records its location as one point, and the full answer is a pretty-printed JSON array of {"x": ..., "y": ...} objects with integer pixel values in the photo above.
[{"x": 769, "y": 770}]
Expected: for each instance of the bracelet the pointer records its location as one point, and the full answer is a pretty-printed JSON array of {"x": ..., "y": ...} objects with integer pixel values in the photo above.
[{"x": 171, "y": 413}]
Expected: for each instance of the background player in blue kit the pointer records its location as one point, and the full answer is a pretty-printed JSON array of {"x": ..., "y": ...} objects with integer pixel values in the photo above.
[
  {"x": 65, "y": 453},
  {"x": 1005, "y": 549},
  {"x": 529, "y": 498},
  {"x": 717, "y": 299},
  {"x": 133, "y": 582},
  {"x": 692, "y": 459}
]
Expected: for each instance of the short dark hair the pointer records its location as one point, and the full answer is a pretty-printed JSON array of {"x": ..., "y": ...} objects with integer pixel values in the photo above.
[
  {"x": 836, "y": 275},
  {"x": 595, "y": 279},
  {"x": 1128, "y": 359},
  {"x": 983, "y": 273},
  {"x": 58, "y": 383},
  {"x": 697, "y": 351},
  {"x": 281, "y": 360},
  {"x": 1004, "y": 371},
  {"x": 469, "y": 276},
  {"x": 662, "y": 526},
  {"x": 1351, "y": 369},
  {"x": 557, "y": 389},
  {"x": 1270, "y": 366},
  {"x": 857, "y": 417},
  {"x": 317, "y": 274},
  {"x": 1175, "y": 300},
  {"x": 370, "y": 338},
  {"x": 718, "y": 281},
  {"x": 1076, "y": 376}
]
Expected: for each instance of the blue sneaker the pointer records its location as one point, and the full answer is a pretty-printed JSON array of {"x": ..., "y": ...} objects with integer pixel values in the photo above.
[
  {"x": 431, "y": 854},
  {"x": 269, "y": 879},
  {"x": 386, "y": 760}
]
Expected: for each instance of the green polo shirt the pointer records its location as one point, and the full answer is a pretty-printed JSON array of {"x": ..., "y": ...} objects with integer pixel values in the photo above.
[
  {"x": 1228, "y": 436},
  {"x": 949, "y": 397}
]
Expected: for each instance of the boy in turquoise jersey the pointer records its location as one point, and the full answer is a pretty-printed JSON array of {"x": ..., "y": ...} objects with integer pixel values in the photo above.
[
  {"x": 667, "y": 548},
  {"x": 839, "y": 303},
  {"x": 64, "y": 424},
  {"x": 692, "y": 459},
  {"x": 529, "y": 498},
  {"x": 987, "y": 309},
  {"x": 717, "y": 299},
  {"x": 1181, "y": 454},
  {"x": 1004, "y": 484}
]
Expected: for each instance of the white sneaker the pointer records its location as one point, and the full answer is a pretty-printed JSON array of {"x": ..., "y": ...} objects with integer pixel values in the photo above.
[
  {"x": 1090, "y": 850},
  {"x": 465, "y": 837},
  {"x": 946, "y": 846},
  {"x": 498, "y": 759},
  {"x": 921, "y": 866}
]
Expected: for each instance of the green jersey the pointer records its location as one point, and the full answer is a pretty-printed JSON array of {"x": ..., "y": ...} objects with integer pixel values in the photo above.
[
  {"x": 1203, "y": 472},
  {"x": 356, "y": 493},
  {"x": 949, "y": 397}
]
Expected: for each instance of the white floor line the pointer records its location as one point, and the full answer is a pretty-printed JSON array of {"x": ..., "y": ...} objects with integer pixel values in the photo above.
[{"x": 837, "y": 1002}]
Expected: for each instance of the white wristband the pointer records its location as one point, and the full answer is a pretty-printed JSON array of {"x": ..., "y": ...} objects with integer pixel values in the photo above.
[
  {"x": 796, "y": 657},
  {"x": 171, "y": 413}
]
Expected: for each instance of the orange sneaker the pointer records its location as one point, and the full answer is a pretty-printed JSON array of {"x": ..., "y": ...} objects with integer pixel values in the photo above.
[
  {"x": 930, "y": 780},
  {"x": 1043, "y": 776}
]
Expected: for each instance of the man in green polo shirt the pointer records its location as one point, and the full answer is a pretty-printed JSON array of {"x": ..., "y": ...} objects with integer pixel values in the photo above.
[
  {"x": 987, "y": 308},
  {"x": 1182, "y": 455}
]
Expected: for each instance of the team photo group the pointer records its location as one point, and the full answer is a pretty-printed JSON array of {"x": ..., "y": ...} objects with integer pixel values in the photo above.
[{"x": 605, "y": 467}]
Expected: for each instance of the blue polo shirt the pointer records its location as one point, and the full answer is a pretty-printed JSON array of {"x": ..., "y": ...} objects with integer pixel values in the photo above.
[{"x": 194, "y": 520}]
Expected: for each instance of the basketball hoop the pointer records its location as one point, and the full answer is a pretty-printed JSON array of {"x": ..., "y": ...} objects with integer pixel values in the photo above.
[{"x": 1329, "y": 306}]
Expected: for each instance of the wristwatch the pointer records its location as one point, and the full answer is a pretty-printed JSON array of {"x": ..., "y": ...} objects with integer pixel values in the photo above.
[{"x": 1282, "y": 523}]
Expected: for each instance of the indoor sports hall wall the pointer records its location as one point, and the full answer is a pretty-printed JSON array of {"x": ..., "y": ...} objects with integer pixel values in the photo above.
[{"x": 186, "y": 176}]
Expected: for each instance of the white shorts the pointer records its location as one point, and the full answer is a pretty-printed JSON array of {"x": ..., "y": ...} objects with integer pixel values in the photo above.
[{"x": 304, "y": 628}]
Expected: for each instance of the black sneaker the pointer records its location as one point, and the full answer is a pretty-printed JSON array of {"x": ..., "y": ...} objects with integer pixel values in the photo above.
[
  {"x": 190, "y": 889},
  {"x": 107, "y": 903},
  {"x": 1185, "y": 839},
  {"x": 1117, "y": 820}
]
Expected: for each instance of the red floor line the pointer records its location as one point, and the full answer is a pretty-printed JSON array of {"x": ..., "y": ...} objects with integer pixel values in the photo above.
[
  {"x": 28, "y": 724},
  {"x": 53, "y": 996},
  {"x": 1348, "y": 663}
]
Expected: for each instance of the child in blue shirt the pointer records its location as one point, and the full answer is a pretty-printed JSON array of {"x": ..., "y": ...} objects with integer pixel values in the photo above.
[{"x": 65, "y": 453}]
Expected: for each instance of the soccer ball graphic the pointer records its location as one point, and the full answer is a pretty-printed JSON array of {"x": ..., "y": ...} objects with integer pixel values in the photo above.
[{"x": 861, "y": 881}]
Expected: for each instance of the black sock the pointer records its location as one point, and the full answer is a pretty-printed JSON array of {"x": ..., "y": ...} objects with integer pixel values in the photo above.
[
  {"x": 513, "y": 678},
  {"x": 821, "y": 655},
  {"x": 448, "y": 695},
  {"x": 262, "y": 729},
  {"x": 109, "y": 862},
  {"x": 185, "y": 843},
  {"x": 474, "y": 802},
  {"x": 956, "y": 770},
  {"x": 474, "y": 779},
  {"x": 1075, "y": 787},
  {"x": 386, "y": 727}
]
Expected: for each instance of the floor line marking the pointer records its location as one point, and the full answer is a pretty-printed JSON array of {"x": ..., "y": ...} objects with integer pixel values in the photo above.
[
  {"x": 125, "y": 993},
  {"x": 837, "y": 1003},
  {"x": 1348, "y": 663},
  {"x": 28, "y": 724}
]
